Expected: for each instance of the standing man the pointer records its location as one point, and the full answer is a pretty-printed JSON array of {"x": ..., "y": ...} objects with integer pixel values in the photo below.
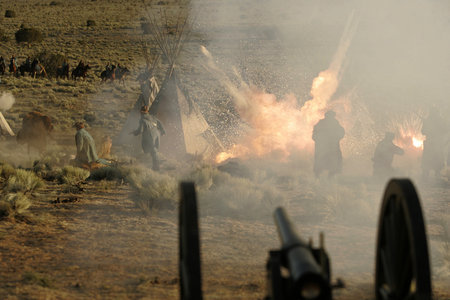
[
  {"x": 384, "y": 155},
  {"x": 86, "y": 152},
  {"x": 151, "y": 129},
  {"x": 327, "y": 134}
]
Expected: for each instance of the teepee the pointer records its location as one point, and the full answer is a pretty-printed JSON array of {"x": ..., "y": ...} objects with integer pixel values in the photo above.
[
  {"x": 4, "y": 126},
  {"x": 187, "y": 132}
]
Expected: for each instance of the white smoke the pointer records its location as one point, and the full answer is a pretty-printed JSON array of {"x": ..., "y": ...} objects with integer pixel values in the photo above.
[{"x": 6, "y": 101}]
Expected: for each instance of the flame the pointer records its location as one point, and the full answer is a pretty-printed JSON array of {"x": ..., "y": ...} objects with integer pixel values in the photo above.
[
  {"x": 408, "y": 128},
  {"x": 418, "y": 143},
  {"x": 279, "y": 127}
]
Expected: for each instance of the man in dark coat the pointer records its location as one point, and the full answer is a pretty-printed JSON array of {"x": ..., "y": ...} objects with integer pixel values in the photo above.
[
  {"x": 151, "y": 129},
  {"x": 384, "y": 155},
  {"x": 86, "y": 152},
  {"x": 327, "y": 134}
]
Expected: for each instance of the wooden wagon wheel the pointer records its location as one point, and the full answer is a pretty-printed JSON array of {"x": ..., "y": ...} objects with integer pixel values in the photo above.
[
  {"x": 189, "y": 245},
  {"x": 402, "y": 264}
]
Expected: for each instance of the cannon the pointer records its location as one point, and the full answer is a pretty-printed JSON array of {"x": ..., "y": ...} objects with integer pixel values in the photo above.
[{"x": 299, "y": 271}]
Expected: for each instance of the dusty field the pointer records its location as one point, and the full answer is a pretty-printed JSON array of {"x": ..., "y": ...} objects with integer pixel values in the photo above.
[{"x": 104, "y": 247}]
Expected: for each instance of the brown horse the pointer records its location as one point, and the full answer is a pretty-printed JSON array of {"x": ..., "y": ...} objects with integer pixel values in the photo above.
[
  {"x": 122, "y": 73},
  {"x": 63, "y": 72},
  {"x": 109, "y": 74},
  {"x": 13, "y": 69},
  {"x": 36, "y": 129},
  {"x": 2, "y": 68},
  {"x": 80, "y": 71}
]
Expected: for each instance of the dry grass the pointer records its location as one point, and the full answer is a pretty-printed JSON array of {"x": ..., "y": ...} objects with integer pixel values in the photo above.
[
  {"x": 153, "y": 190},
  {"x": 23, "y": 181},
  {"x": 14, "y": 204},
  {"x": 72, "y": 175}
]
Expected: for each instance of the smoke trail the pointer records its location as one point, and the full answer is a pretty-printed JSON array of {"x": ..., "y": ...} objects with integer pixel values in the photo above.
[{"x": 6, "y": 101}]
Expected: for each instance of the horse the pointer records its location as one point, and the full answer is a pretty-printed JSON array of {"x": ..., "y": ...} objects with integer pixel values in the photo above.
[
  {"x": 121, "y": 73},
  {"x": 2, "y": 68},
  {"x": 25, "y": 67},
  {"x": 35, "y": 131},
  {"x": 109, "y": 73},
  {"x": 80, "y": 71},
  {"x": 13, "y": 68},
  {"x": 63, "y": 71},
  {"x": 38, "y": 70}
]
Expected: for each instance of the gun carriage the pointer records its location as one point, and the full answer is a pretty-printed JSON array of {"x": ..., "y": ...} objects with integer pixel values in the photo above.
[{"x": 299, "y": 271}]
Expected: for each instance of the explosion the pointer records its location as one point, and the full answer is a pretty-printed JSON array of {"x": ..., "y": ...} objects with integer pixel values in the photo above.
[
  {"x": 280, "y": 127},
  {"x": 409, "y": 135}
]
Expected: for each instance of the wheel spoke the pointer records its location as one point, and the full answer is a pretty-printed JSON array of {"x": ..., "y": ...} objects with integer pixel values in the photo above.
[{"x": 401, "y": 246}]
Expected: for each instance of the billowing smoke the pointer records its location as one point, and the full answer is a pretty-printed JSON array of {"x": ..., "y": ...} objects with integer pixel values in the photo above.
[{"x": 6, "y": 101}]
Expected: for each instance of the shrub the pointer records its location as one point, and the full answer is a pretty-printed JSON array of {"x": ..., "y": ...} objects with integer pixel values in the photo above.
[
  {"x": 37, "y": 278},
  {"x": 28, "y": 35},
  {"x": 23, "y": 181},
  {"x": 14, "y": 204},
  {"x": 6, "y": 171},
  {"x": 10, "y": 14},
  {"x": 55, "y": 3},
  {"x": 90, "y": 23},
  {"x": 51, "y": 61},
  {"x": 154, "y": 190},
  {"x": 72, "y": 175}
]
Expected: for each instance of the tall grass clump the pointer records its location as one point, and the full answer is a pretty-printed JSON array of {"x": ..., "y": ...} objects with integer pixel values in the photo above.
[
  {"x": 10, "y": 13},
  {"x": 28, "y": 35},
  {"x": 14, "y": 204},
  {"x": 72, "y": 175},
  {"x": 6, "y": 171},
  {"x": 23, "y": 181},
  {"x": 153, "y": 191},
  {"x": 223, "y": 194}
]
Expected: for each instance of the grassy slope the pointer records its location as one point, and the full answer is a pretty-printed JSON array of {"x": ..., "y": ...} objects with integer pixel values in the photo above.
[{"x": 102, "y": 246}]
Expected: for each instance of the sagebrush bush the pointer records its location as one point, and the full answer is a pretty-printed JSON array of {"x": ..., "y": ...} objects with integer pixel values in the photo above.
[
  {"x": 28, "y": 35},
  {"x": 72, "y": 175},
  {"x": 238, "y": 197},
  {"x": 6, "y": 170},
  {"x": 23, "y": 181},
  {"x": 14, "y": 204},
  {"x": 51, "y": 61},
  {"x": 153, "y": 190},
  {"x": 10, "y": 13}
]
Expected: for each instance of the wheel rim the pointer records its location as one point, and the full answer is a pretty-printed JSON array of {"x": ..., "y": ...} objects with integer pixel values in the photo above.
[
  {"x": 189, "y": 245},
  {"x": 402, "y": 264}
]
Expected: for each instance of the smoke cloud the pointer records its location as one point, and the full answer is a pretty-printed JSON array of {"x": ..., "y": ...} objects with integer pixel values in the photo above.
[{"x": 6, "y": 101}]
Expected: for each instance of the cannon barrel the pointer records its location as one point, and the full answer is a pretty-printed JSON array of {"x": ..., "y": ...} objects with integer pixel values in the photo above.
[{"x": 306, "y": 276}]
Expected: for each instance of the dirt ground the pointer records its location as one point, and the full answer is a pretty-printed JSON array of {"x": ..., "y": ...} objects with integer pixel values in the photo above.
[{"x": 98, "y": 244}]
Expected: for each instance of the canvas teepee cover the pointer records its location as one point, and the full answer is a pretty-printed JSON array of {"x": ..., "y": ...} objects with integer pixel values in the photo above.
[
  {"x": 5, "y": 129},
  {"x": 187, "y": 132}
]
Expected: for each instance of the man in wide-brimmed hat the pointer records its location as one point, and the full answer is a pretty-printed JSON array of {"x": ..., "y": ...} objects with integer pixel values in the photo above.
[
  {"x": 151, "y": 129},
  {"x": 327, "y": 134},
  {"x": 86, "y": 152}
]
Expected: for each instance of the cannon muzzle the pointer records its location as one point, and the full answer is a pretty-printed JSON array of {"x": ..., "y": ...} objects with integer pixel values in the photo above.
[{"x": 308, "y": 268}]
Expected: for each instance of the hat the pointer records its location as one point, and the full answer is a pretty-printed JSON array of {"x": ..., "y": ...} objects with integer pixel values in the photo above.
[{"x": 78, "y": 125}]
